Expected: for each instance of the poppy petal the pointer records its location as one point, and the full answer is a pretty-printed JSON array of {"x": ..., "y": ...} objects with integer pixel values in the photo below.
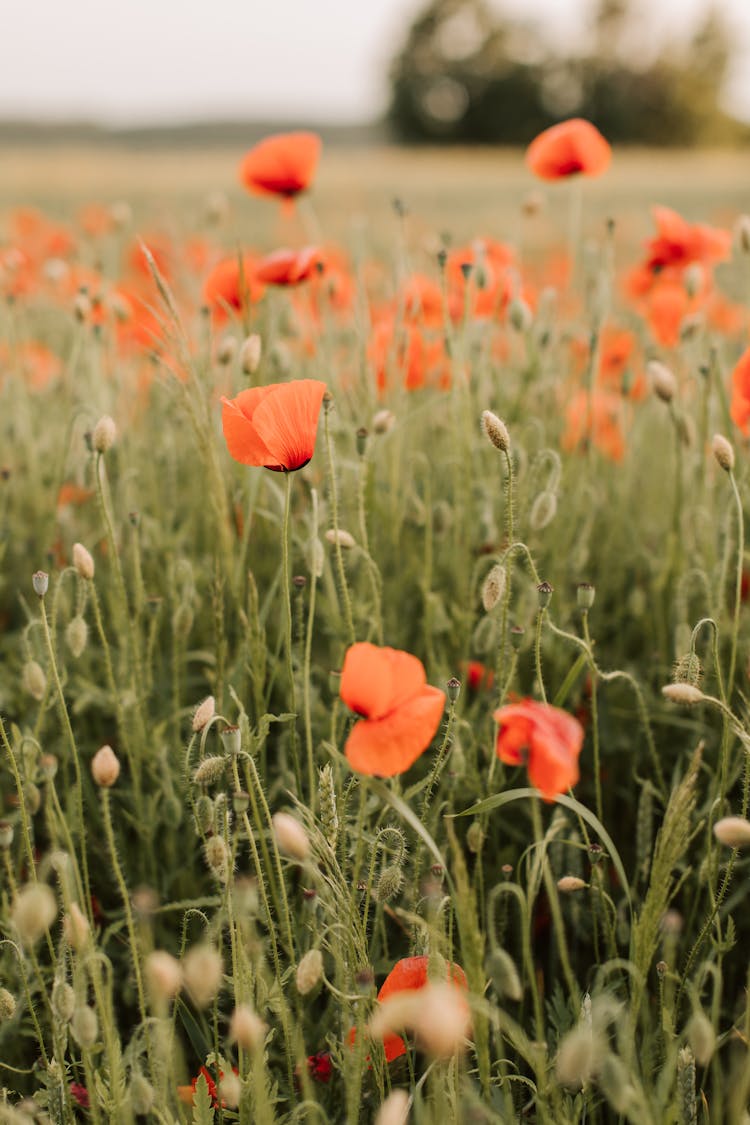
[
  {"x": 288, "y": 421},
  {"x": 387, "y": 746}
]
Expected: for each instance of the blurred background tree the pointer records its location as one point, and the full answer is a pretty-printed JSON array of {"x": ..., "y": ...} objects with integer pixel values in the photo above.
[{"x": 467, "y": 74}]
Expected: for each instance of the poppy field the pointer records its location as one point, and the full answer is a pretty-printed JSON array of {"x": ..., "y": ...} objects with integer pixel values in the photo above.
[{"x": 374, "y": 720}]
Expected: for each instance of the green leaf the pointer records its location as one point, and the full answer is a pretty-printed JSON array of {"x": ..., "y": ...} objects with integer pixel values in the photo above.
[
  {"x": 499, "y": 799},
  {"x": 203, "y": 1114}
]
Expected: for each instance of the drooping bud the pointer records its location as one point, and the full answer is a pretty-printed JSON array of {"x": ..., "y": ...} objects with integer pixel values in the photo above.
[
  {"x": 76, "y": 928},
  {"x": 34, "y": 680},
  {"x": 701, "y": 1037},
  {"x": 339, "y": 537},
  {"x": 543, "y": 510},
  {"x": 141, "y": 1094},
  {"x": 493, "y": 587},
  {"x": 291, "y": 836},
  {"x": 218, "y": 858},
  {"x": 7, "y": 1005},
  {"x": 502, "y": 971},
  {"x": 724, "y": 454},
  {"x": 163, "y": 974},
  {"x": 203, "y": 713},
  {"x": 84, "y": 1026},
  {"x": 77, "y": 635},
  {"x": 733, "y": 832},
  {"x": 63, "y": 1001},
  {"x": 683, "y": 693},
  {"x": 569, "y": 884},
  {"x": 203, "y": 971},
  {"x": 209, "y": 770},
  {"x": 576, "y": 1057},
  {"x": 389, "y": 884},
  {"x": 309, "y": 971}
]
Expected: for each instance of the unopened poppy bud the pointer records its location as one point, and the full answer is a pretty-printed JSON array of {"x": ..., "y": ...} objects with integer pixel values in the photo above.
[
  {"x": 502, "y": 971},
  {"x": 453, "y": 689},
  {"x": 250, "y": 354},
  {"x": 203, "y": 812},
  {"x": 76, "y": 928},
  {"x": 209, "y": 770},
  {"x": 34, "y": 680},
  {"x": 615, "y": 1084},
  {"x": 6, "y": 834},
  {"x": 361, "y": 441},
  {"x": 82, "y": 306},
  {"x": 163, "y": 974},
  {"x": 493, "y": 587},
  {"x": 230, "y": 1090},
  {"x": 203, "y": 972},
  {"x": 475, "y": 837},
  {"x": 105, "y": 767},
  {"x": 226, "y": 350},
  {"x": 701, "y": 1037},
  {"x": 394, "y": 1110},
  {"x": 662, "y": 380},
  {"x": 63, "y": 1001},
  {"x": 341, "y": 538},
  {"x": 32, "y": 797},
  {"x": 290, "y": 836},
  {"x": 442, "y": 1020},
  {"x": 496, "y": 431},
  {"x": 585, "y": 594},
  {"x": 204, "y": 712},
  {"x": 40, "y": 582},
  {"x": 231, "y": 738},
  {"x": 48, "y": 766},
  {"x": 733, "y": 832},
  {"x": 544, "y": 593},
  {"x": 389, "y": 884},
  {"x": 33, "y": 911},
  {"x": 577, "y": 1057},
  {"x": 685, "y": 694},
  {"x": 7, "y": 1005},
  {"x": 77, "y": 635},
  {"x": 84, "y": 1026},
  {"x": 327, "y": 401},
  {"x": 141, "y": 1094},
  {"x": 309, "y": 971},
  {"x": 724, "y": 454},
  {"x": 517, "y": 634},
  {"x": 104, "y": 434},
  {"x": 218, "y": 857},
  {"x": 383, "y": 421},
  {"x": 246, "y": 1028},
  {"x": 543, "y": 510},
  {"x": 83, "y": 561},
  {"x": 569, "y": 884},
  {"x": 519, "y": 315}
]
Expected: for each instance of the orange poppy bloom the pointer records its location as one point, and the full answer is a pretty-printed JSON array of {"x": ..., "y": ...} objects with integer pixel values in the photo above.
[
  {"x": 274, "y": 426},
  {"x": 289, "y": 267},
  {"x": 678, "y": 242},
  {"x": 228, "y": 287},
  {"x": 409, "y": 975},
  {"x": 400, "y": 712},
  {"x": 544, "y": 737},
  {"x": 283, "y": 164},
  {"x": 740, "y": 406},
  {"x": 597, "y": 420},
  {"x": 571, "y": 148}
]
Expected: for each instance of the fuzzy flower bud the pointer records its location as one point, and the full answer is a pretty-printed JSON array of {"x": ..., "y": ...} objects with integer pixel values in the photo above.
[
  {"x": 204, "y": 712},
  {"x": 105, "y": 767},
  {"x": 341, "y": 538},
  {"x": 141, "y": 1094},
  {"x": 577, "y": 1057},
  {"x": 163, "y": 975},
  {"x": 309, "y": 971},
  {"x": 218, "y": 858},
  {"x": 33, "y": 912},
  {"x": 733, "y": 832},
  {"x": 84, "y": 1026},
  {"x": 662, "y": 380},
  {"x": 389, "y": 884},
  {"x": 209, "y": 770},
  {"x": 701, "y": 1037},
  {"x": 7, "y": 1005},
  {"x": 493, "y": 587},
  {"x": 442, "y": 1020},
  {"x": 683, "y": 693},
  {"x": 250, "y": 354},
  {"x": 77, "y": 635},
  {"x": 291, "y": 836},
  {"x": 502, "y": 971},
  {"x": 76, "y": 928},
  {"x": 724, "y": 454},
  {"x": 203, "y": 970},
  {"x": 246, "y": 1028},
  {"x": 543, "y": 510},
  {"x": 104, "y": 434},
  {"x": 230, "y": 1090},
  {"x": 34, "y": 680},
  {"x": 83, "y": 561},
  {"x": 383, "y": 421},
  {"x": 394, "y": 1110},
  {"x": 496, "y": 431},
  {"x": 63, "y": 1001},
  {"x": 569, "y": 884}
]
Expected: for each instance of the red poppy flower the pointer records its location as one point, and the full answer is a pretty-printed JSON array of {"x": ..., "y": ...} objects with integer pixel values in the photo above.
[
  {"x": 400, "y": 711},
  {"x": 79, "y": 1094},
  {"x": 679, "y": 243},
  {"x": 229, "y": 287},
  {"x": 289, "y": 267},
  {"x": 186, "y": 1094},
  {"x": 740, "y": 407},
  {"x": 283, "y": 164},
  {"x": 572, "y": 147},
  {"x": 409, "y": 975},
  {"x": 546, "y": 738},
  {"x": 596, "y": 419},
  {"x": 320, "y": 1067},
  {"x": 274, "y": 426}
]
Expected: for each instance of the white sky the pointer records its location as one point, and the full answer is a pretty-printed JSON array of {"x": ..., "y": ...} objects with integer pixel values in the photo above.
[{"x": 147, "y": 60}]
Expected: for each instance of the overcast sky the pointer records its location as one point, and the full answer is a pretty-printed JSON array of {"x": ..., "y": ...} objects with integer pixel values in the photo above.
[{"x": 150, "y": 60}]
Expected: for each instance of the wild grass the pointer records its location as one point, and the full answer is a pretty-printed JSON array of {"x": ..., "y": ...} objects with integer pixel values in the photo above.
[{"x": 618, "y": 994}]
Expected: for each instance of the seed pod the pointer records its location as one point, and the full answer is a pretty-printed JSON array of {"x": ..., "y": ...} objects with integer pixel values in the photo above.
[
  {"x": 309, "y": 971},
  {"x": 77, "y": 635},
  {"x": 40, "y": 582}
]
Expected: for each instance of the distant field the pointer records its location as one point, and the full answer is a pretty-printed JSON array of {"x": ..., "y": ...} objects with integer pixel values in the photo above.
[{"x": 461, "y": 191}]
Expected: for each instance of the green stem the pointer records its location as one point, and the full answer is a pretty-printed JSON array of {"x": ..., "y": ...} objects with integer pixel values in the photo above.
[
  {"x": 738, "y": 584},
  {"x": 288, "y": 640},
  {"x": 338, "y": 555}
]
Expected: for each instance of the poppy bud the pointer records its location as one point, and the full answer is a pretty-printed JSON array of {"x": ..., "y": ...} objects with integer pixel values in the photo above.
[
  {"x": 204, "y": 814},
  {"x": 577, "y": 1057},
  {"x": 724, "y": 454},
  {"x": 453, "y": 689},
  {"x": 84, "y": 1026},
  {"x": 218, "y": 858},
  {"x": 291, "y": 836},
  {"x": 231, "y": 738},
  {"x": 33, "y": 911},
  {"x": 309, "y": 971},
  {"x": 442, "y": 1020},
  {"x": 76, "y": 928},
  {"x": 6, "y": 834},
  {"x": 585, "y": 594},
  {"x": 394, "y": 1110},
  {"x": 63, "y": 1001},
  {"x": 203, "y": 972},
  {"x": 502, "y": 971},
  {"x": 163, "y": 975},
  {"x": 662, "y": 380},
  {"x": 544, "y": 592},
  {"x": 341, "y": 538},
  {"x": 475, "y": 837},
  {"x": 83, "y": 561},
  {"x": 141, "y": 1094},
  {"x": 733, "y": 832},
  {"x": 230, "y": 1090},
  {"x": 684, "y": 693},
  {"x": 204, "y": 712},
  {"x": 226, "y": 350},
  {"x": 383, "y": 421},
  {"x": 543, "y": 510},
  {"x": 104, "y": 434},
  {"x": 246, "y": 1028},
  {"x": 701, "y": 1037},
  {"x": 209, "y": 770},
  {"x": 493, "y": 587},
  {"x": 76, "y": 635},
  {"x": 250, "y": 354},
  {"x": 33, "y": 679},
  {"x": 519, "y": 315},
  {"x": 40, "y": 582},
  {"x": 389, "y": 884},
  {"x": 496, "y": 431},
  {"x": 569, "y": 884},
  {"x": 7, "y": 1005},
  {"x": 614, "y": 1080},
  {"x": 105, "y": 767}
]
